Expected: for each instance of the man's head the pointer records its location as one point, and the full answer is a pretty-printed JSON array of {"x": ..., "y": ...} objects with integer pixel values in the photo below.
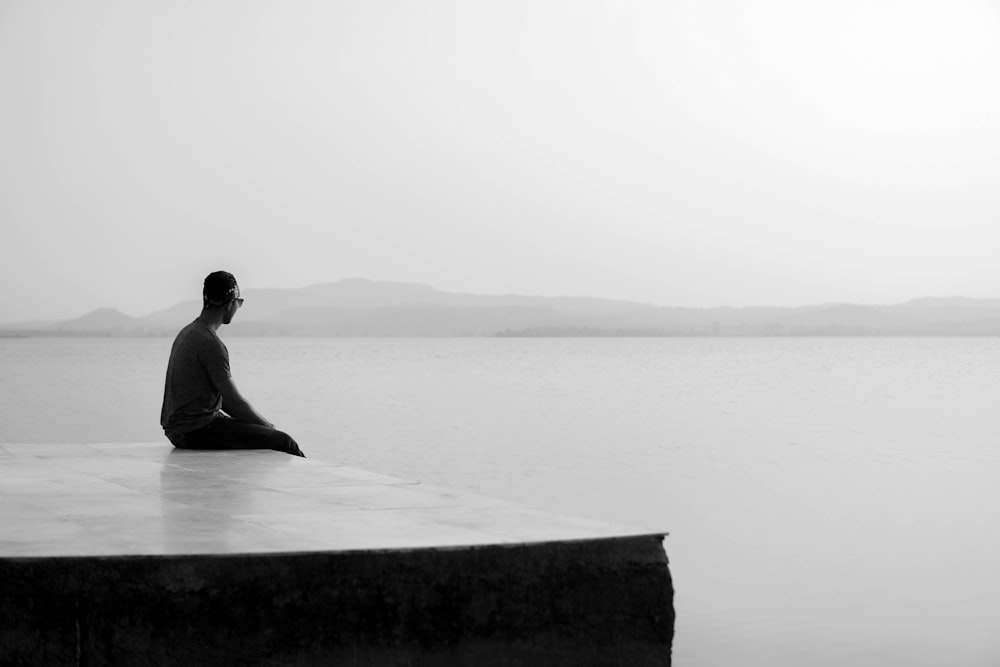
[{"x": 221, "y": 291}]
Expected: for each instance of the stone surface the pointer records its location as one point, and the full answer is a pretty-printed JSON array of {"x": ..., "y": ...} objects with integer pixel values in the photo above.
[{"x": 143, "y": 554}]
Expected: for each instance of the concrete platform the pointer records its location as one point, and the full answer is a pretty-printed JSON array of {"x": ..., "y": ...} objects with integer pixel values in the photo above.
[{"x": 144, "y": 554}]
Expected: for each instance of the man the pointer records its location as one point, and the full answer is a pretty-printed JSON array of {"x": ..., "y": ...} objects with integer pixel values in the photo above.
[{"x": 202, "y": 408}]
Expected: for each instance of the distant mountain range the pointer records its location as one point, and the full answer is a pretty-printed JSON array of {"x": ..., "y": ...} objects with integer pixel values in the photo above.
[{"x": 359, "y": 307}]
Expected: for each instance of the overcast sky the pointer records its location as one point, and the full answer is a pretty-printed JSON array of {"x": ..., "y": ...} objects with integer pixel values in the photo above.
[{"x": 698, "y": 153}]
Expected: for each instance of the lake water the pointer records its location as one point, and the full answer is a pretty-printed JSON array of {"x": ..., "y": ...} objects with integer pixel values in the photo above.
[{"x": 829, "y": 501}]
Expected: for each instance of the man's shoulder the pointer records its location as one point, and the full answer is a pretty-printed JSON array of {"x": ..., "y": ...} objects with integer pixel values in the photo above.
[
  {"x": 191, "y": 330},
  {"x": 196, "y": 334}
]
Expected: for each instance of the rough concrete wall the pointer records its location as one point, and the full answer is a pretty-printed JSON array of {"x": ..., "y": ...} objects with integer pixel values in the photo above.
[{"x": 598, "y": 602}]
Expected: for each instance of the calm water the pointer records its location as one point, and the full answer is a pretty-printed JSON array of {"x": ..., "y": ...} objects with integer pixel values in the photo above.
[{"x": 829, "y": 501}]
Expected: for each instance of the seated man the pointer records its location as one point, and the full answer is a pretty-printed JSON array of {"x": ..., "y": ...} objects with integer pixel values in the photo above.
[{"x": 202, "y": 408}]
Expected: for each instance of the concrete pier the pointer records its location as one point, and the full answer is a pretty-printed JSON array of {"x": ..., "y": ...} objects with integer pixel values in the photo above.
[{"x": 143, "y": 554}]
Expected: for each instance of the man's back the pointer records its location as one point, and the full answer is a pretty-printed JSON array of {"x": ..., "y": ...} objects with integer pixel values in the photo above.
[{"x": 199, "y": 361}]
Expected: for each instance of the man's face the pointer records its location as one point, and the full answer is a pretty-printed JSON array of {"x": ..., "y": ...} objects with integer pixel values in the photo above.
[{"x": 232, "y": 307}]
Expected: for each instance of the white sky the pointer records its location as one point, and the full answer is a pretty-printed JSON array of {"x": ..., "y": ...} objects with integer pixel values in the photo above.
[{"x": 695, "y": 153}]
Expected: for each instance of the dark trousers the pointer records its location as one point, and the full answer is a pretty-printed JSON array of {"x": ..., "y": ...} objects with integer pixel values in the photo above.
[{"x": 229, "y": 433}]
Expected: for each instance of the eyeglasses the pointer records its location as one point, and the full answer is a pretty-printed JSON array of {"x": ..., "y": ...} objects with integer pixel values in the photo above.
[{"x": 239, "y": 301}]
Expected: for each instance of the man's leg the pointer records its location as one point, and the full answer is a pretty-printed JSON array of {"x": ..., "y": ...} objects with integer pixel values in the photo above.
[{"x": 229, "y": 433}]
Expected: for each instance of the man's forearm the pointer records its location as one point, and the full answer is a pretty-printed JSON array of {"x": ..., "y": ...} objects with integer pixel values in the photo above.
[{"x": 245, "y": 412}]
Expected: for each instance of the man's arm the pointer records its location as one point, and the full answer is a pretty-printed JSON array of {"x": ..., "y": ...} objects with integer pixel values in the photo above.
[{"x": 238, "y": 407}]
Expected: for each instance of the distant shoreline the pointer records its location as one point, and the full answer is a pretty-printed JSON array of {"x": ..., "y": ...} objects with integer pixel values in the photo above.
[{"x": 826, "y": 333}]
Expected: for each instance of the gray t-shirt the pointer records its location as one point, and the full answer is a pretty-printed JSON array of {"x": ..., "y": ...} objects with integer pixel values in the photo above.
[{"x": 199, "y": 361}]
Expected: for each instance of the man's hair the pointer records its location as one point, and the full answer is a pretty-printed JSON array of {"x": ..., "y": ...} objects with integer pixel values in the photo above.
[{"x": 220, "y": 288}]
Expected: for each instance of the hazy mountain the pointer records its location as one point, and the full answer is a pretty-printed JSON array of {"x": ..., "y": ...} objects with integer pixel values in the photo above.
[
  {"x": 265, "y": 304},
  {"x": 359, "y": 307},
  {"x": 948, "y": 310},
  {"x": 102, "y": 319},
  {"x": 30, "y": 325},
  {"x": 404, "y": 320},
  {"x": 173, "y": 317}
]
